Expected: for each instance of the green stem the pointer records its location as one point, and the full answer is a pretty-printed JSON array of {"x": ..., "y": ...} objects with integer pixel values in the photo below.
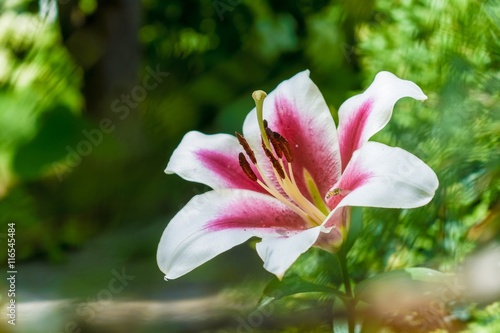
[
  {"x": 333, "y": 315},
  {"x": 349, "y": 303}
]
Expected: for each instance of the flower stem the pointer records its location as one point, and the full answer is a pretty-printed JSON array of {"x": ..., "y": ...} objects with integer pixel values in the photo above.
[
  {"x": 349, "y": 303},
  {"x": 333, "y": 316}
]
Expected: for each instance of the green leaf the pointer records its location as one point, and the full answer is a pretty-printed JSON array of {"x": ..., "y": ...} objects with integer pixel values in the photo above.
[
  {"x": 423, "y": 280},
  {"x": 277, "y": 289}
]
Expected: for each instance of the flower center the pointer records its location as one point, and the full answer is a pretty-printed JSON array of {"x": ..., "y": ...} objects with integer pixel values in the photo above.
[{"x": 277, "y": 150}]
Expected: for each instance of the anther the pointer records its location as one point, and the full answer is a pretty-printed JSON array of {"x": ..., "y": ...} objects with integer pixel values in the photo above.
[
  {"x": 335, "y": 191},
  {"x": 274, "y": 142},
  {"x": 243, "y": 142},
  {"x": 274, "y": 161},
  {"x": 245, "y": 166},
  {"x": 284, "y": 146}
]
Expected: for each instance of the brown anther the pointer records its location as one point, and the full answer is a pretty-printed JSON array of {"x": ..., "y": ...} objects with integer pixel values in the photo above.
[
  {"x": 274, "y": 142},
  {"x": 274, "y": 161},
  {"x": 243, "y": 142},
  {"x": 247, "y": 169},
  {"x": 284, "y": 146},
  {"x": 335, "y": 191},
  {"x": 265, "y": 123}
]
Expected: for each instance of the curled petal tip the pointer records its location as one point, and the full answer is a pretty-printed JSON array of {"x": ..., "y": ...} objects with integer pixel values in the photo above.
[
  {"x": 417, "y": 94},
  {"x": 412, "y": 89}
]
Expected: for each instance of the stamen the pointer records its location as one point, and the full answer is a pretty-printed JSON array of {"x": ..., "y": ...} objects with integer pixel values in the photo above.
[
  {"x": 314, "y": 192},
  {"x": 274, "y": 142},
  {"x": 281, "y": 185},
  {"x": 271, "y": 190},
  {"x": 274, "y": 161},
  {"x": 284, "y": 146},
  {"x": 243, "y": 142},
  {"x": 279, "y": 143},
  {"x": 335, "y": 191},
  {"x": 245, "y": 166},
  {"x": 293, "y": 192}
]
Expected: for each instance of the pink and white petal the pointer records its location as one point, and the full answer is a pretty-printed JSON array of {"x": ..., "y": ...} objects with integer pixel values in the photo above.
[
  {"x": 297, "y": 110},
  {"x": 211, "y": 160},
  {"x": 383, "y": 176},
  {"x": 361, "y": 116},
  {"x": 279, "y": 253},
  {"x": 216, "y": 221}
]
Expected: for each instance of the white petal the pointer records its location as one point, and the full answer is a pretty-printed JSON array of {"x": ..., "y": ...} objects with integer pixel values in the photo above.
[
  {"x": 383, "y": 176},
  {"x": 279, "y": 253},
  {"x": 361, "y": 116},
  {"x": 211, "y": 160},
  {"x": 216, "y": 221}
]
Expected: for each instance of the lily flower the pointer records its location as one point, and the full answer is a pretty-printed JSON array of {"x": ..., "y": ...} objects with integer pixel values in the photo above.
[{"x": 289, "y": 176}]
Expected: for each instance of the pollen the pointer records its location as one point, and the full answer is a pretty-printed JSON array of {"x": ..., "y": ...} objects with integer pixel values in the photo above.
[
  {"x": 284, "y": 146},
  {"x": 245, "y": 166},
  {"x": 243, "y": 142},
  {"x": 274, "y": 162},
  {"x": 274, "y": 142},
  {"x": 279, "y": 143}
]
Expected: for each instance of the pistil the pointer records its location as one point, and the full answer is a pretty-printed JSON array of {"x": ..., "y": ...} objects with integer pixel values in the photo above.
[{"x": 259, "y": 96}]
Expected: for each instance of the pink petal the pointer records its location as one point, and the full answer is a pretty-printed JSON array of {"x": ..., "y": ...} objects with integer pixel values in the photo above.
[
  {"x": 361, "y": 116},
  {"x": 211, "y": 160},
  {"x": 216, "y": 221},
  {"x": 383, "y": 176},
  {"x": 296, "y": 109}
]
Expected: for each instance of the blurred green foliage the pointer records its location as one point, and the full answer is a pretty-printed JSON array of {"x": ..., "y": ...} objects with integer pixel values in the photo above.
[
  {"x": 215, "y": 57},
  {"x": 453, "y": 55}
]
